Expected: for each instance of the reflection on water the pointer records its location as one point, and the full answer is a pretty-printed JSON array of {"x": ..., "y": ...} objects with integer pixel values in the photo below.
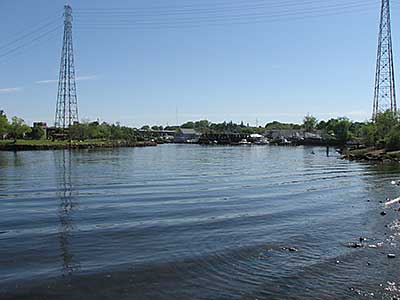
[
  {"x": 191, "y": 222},
  {"x": 68, "y": 204}
]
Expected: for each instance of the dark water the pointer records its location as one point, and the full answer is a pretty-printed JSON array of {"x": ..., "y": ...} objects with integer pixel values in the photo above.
[{"x": 192, "y": 222}]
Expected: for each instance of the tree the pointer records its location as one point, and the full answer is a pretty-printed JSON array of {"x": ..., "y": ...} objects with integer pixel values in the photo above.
[
  {"x": 18, "y": 128},
  {"x": 392, "y": 139},
  {"x": 368, "y": 134},
  {"x": 342, "y": 130},
  {"x": 37, "y": 133},
  {"x": 310, "y": 123},
  {"x": 188, "y": 125},
  {"x": 321, "y": 125},
  {"x": 275, "y": 125},
  {"x": 384, "y": 123},
  {"x": 4, "y": 125}
]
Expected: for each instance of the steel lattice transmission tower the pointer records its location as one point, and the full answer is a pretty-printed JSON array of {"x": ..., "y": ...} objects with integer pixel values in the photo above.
[
  {"x": 385, "y": 93},
  {"x": 67, "y": 103}
]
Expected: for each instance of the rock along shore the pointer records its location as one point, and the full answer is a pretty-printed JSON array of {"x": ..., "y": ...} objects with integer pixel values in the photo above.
[
  {"x": 72, "y": 145},
  {"x": 371, "y": 154}
]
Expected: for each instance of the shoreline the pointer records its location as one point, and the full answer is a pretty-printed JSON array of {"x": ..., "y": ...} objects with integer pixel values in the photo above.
[
  {"x": 73, "y": 145},
  {"x": 371, "y": 155}
]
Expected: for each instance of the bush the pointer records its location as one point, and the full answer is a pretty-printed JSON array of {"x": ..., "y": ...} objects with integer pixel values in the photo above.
[{"x": 392, "y": 139}]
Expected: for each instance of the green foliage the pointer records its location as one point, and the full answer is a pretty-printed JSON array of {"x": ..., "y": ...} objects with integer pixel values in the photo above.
[
  {"x": 310, "y": 123},
  {"x": 392, "y": 139},
  {"x": 188, "y": 125},
  {"x": 225, "y": 128},
  {"x": 384, "y": 123},
  {"x": 156, "y": 128},
  {"x": 4, "y": 125},
  {"x": 94, "y": 130},
  {"x": 342, "y": 130},
  {"x": 37, "y": 133},
  {"x": 18, "y": 128},
  {"x": 368, "y": 134},
  {"x": 275, "y": 125},
  {"x": 383, "y": 133},
  {"x": 202, "y": 126}
]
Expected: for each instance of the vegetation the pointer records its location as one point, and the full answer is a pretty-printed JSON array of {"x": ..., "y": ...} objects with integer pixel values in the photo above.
[
  {"x": 383, "y": 133},
  {"x": 310, "y": 123},
  {"x": 104, "y": 131},
  {"x": 282, "y": 126},
  {"x": 18, "y": 128},
  {"x": 37, "y": 133},
  {"x": 3, "y": 124}
]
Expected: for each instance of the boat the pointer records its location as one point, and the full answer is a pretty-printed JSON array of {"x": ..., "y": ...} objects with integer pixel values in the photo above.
[
  {"x": 263, "y": 141},
  {"x": 244, "y": 142}
]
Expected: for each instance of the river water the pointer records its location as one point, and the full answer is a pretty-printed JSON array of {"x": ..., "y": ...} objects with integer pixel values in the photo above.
[{"x": 195, "y": 222}]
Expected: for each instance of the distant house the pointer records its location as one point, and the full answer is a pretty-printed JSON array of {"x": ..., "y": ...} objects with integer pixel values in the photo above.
[
  {"x": 312, "y": 136},
  {"x": 187, "y": 135},
  {"x": 290, "y": 134},
  {"x": 295, "y": 135}
]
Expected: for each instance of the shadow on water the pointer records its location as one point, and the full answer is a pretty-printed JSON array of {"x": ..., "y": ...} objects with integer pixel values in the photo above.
[{"x": 68, "y": 196}]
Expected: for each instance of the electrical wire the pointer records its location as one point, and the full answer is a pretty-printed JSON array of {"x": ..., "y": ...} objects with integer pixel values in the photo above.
[
  {"x": 211, "y": 11},
  {"x": 241, "y": 18},
  {"x": 18, "y": 54},
  {"x": 29, "y": 33},
  {"x": 30, "y": 42},
  {"x": 197, "y": 8}
]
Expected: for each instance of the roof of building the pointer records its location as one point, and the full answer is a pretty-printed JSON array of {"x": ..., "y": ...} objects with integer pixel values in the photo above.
[{"x": 188, "y": 131}]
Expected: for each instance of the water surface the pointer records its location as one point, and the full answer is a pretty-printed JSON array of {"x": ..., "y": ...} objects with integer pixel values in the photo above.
[{"x": 193, "y": 222}]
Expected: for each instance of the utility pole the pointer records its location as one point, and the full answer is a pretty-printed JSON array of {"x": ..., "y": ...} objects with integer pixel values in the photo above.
[
  {"x": 67, "y": 103},
  {"x": 385, "y": 93}
]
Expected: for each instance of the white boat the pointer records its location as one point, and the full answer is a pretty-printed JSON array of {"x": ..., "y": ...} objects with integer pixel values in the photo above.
[
  {"x": 263, "y": 141},
  {"x": 244, "y": 142}
]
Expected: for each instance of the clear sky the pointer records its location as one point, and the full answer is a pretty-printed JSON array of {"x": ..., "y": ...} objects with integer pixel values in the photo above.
[{"x": 157, "y": 61}]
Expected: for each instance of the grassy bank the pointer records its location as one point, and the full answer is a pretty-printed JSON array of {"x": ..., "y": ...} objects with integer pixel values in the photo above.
[{"x": 21, "y": 145}]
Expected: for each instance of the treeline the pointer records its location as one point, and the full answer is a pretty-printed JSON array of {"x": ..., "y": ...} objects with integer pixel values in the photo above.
[
  {"x": 104, "y": 131},
  {"x": 383, "y": 132},
  {"x": 17, "y": 129}
]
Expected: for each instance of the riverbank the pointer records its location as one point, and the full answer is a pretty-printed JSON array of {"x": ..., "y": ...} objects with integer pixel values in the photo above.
[
  {"x": 372, "y": 154},
  {"x": 27, "y": 145}
]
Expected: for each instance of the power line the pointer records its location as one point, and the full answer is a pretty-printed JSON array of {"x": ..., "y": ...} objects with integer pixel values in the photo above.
[
  {"x": 242, "y": 18},
  {"x": 51, "y": 37},
  {"x": 210, "y": 12},
  {"x": 29, "y": 33},
  {"x": 197, "y": 8},
  {"x": 29, "y": 42},
  {"x": 241, "y": 15}
]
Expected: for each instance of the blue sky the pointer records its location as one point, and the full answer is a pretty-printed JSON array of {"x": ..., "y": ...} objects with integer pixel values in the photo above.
[{"x": 278, "y": 65}]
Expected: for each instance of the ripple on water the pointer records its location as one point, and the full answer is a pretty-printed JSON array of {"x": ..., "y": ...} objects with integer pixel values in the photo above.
[{"x": 189, "y": 222}]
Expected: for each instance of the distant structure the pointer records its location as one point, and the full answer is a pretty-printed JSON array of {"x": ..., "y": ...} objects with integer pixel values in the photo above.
[
  {"x": 385, "y": 94},
  {"x": 67, "y": 103}
]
